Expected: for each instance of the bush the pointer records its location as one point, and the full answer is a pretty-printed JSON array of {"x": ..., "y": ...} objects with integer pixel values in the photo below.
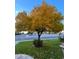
[
  {"x": 38, "y": 43},
  {"x": 61, "y": 39}
]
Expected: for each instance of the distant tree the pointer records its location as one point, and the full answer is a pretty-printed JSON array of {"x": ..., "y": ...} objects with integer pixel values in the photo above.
[
  {"x": 42, "y": 18},
  {"x": 22, "y": 22}
]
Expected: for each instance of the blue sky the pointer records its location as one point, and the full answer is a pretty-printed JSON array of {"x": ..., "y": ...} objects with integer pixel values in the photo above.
[{"x": 28, "y": 5}]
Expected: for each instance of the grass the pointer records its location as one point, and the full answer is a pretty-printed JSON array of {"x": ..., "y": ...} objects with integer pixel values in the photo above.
[{"x": 51, "y": 49}]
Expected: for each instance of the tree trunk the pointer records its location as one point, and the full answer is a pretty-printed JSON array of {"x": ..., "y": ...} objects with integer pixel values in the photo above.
[
  {"x": 39, "y": 35},
  {"x": 38, "y": 43}
]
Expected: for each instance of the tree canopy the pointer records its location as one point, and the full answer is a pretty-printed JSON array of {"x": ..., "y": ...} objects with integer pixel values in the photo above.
[
  {"x": 42, "y": 18},
  {"x": 22, "y": 22}
]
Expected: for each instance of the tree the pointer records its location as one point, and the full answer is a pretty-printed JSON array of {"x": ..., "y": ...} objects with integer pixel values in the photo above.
[
  {"x": 46, "y": 18},
  {"x": 22, "y": 22},
  {"x": 42, "y": 18}
]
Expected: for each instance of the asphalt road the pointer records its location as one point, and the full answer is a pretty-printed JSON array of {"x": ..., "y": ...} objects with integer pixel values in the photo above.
[
  {"x": 35, "y": 36},
  {"x": 23, "y": 37}
]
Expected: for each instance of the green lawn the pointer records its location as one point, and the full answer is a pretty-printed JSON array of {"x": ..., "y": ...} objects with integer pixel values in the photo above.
[{"x": 51, "y": 49}]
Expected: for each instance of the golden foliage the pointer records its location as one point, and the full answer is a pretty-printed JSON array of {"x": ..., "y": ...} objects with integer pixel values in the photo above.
[
  {"x": 22, "y": 22},
  {"x": 42, "y": 18}
]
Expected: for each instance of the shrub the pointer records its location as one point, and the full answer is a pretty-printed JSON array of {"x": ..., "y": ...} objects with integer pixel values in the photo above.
[
  {"x": 61, "y": 39},
  {"x": 38, "y": 43}
]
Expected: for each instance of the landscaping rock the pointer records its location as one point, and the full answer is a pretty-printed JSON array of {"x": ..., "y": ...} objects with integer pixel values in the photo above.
[
  {"x": 23, "y": 56},
  {"x": 62, "y": 46}
]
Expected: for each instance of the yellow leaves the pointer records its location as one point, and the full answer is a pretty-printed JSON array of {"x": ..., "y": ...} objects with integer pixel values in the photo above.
[
  {"x": 57, "y": 16},
  {"x": 22, "y": 21},
  {"x": 43, "y": 18},
  {"x": 57, "y": 27}
]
